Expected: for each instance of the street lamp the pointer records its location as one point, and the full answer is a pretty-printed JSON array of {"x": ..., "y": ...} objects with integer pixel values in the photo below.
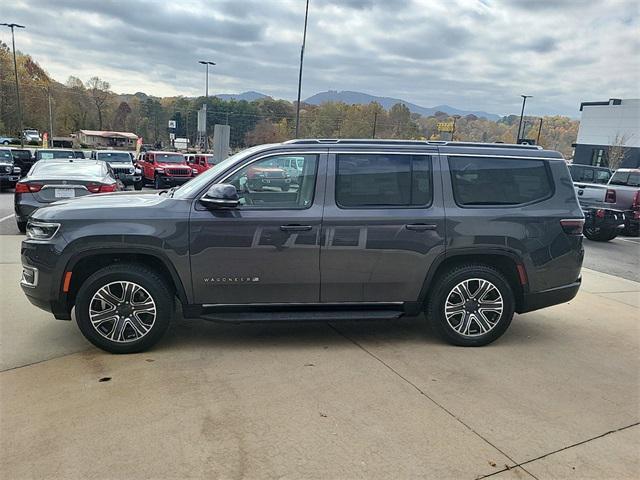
[
  {"x": 15, "y": 68},
  {"x": 206, "y": 63},
  {"x": 304, "y": 41},
  {"x": 524, "y": 100}
]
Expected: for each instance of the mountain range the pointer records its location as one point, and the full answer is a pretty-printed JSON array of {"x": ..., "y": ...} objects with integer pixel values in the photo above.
[{"x": 359, "y": 98}]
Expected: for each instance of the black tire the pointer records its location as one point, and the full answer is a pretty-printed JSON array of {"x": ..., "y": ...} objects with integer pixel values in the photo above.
[
  {"x": 156, "y": 287},
  {"x": 157, "y": 182},
  {"x": 137, "y": 186},
  {"x": 22, "y": 226},
  {"x": 445, "y": 287},
  {"x": 600, "y": 234},
  {"x": 5, "y": 142}
]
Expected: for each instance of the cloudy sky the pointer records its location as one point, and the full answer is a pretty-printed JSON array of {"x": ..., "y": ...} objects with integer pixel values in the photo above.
[{"x": 471, "y": 54}]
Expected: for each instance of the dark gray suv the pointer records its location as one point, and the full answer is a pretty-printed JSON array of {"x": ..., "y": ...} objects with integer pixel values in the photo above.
[{"x": 468, "y": 233}]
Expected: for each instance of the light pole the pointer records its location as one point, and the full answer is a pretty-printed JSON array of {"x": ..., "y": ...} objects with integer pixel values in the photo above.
[
  {"x": 304, "y": 41},
  {"x": 524, "y": 100},
  {"x": 15, "y": 68},
  {"x": 206, "y": 63}
]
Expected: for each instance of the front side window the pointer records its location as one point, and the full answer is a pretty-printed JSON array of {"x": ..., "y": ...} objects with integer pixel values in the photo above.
[
  {"x": 265, "y": 184},
  {"x": 383, "y": 180},
  {"x": 499, "y": 181}
]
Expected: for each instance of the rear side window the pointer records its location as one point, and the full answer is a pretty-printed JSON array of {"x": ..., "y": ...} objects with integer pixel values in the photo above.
[
  {"x": 383, "y": 180},
  {"x": 499, "y": 181},
  {"x": 631, "y": 179}
]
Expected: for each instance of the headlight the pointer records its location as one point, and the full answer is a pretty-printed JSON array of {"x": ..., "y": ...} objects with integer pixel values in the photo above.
[
  {"x": 42, "y": 230},
  {"x": 138, "y": 171},
  {"x": 131, "y": 171},
  {"x": 17, "y": 170},
  {"x": 194, "y": 171},
  {"x": 160, "y": 170}
]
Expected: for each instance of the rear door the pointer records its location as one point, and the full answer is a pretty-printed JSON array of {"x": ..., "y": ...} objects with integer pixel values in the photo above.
[{"x": 383, "y": 224}]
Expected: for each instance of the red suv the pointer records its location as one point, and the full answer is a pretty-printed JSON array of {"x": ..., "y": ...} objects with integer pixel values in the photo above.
[
  {"x": 201, "y": 162},
  {"x": 165, "y": 169}
]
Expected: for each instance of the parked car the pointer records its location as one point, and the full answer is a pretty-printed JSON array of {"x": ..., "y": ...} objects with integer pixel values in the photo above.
[
  {"x": 53, "y": 154},
  {"x": 626, "y": 183},
  {"x": 31, "y": 135},
  {"x": 9, "y": 172},
  {"x": 200, "y": 162},
  {"x": 589, "y": 174},
  {"x": 468, "y": 233},
  {"x": 123, "y": 167},
  {"x": 165, "y": 169},
  {"x": 268, "y": 175},
  {"x": 23, "y": 158},
  {"x": 55, "y": 180},
  {"x": 8, "y": 140}
]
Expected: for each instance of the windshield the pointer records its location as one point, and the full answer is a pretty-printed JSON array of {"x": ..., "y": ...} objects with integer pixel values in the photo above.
[
  {"x": 5, "y": 156},
  {"x": 114, "y": 156},
  {"x": 21, "y": 154},
  {"x": 49, "y": 154},
  {"x": 71, "y": 169},
  {"x": 199, "y": 182},
  {"x": 169, "y": 158}
]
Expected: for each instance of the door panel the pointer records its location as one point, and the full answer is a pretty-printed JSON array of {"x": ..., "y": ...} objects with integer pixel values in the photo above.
[
  {"x": 375, "y": 253},
  {"x": 261, "y": 252}
]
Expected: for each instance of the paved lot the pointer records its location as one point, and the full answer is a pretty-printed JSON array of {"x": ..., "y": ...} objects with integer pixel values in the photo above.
[{"x": 557, "y": 397}]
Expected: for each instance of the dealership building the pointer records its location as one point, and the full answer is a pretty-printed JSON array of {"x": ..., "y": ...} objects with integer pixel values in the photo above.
[{"x": 607, "y": 125}]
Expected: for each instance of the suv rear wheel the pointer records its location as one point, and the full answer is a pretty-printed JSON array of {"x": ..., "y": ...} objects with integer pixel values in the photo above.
[
  {"x": 600, "y": 234},
  {"x": 471, "y": 306},
  {"x": 124, "y": 308}
]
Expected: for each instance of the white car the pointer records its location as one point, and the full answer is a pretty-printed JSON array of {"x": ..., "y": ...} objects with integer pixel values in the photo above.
[{"x": 31, "y": 135}]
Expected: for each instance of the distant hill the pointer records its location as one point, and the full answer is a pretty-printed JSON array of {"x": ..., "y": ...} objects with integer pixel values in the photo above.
[
  {"x": 248, "y": 96},
  {"x": 349, "y": 97}
]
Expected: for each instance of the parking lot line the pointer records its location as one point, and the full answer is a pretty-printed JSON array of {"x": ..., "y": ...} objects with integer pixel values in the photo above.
[
  {"x": 7, "y": 217},
  {"x": 630, "y": 240}
]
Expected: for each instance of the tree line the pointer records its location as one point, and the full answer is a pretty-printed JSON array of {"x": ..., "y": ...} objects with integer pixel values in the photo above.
[{"x": 92, "y": 105}]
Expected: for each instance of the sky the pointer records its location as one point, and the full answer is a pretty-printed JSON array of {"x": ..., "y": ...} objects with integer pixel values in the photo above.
[{"x": 470, "y": 54}]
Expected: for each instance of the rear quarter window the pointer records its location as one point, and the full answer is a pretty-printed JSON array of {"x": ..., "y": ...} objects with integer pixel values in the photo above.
[{"x": 479, "y": 181}]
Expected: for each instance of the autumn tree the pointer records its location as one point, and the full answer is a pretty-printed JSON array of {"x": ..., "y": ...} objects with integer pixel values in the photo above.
[
  {"x": 120, "y": 118},
  {"x": 99, "y": 91}
]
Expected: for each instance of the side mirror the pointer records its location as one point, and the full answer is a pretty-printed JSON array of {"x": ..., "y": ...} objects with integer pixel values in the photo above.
[{"x": 221, "y": 195}]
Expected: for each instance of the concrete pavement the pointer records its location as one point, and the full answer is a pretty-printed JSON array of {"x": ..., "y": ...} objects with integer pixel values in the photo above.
[{"x": 557, "y": 397}]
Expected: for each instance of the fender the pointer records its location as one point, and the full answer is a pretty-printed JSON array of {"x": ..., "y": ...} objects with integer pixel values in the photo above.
[
  {"x": 135, "y": 249},
  {"x": 459, "y": 252}
]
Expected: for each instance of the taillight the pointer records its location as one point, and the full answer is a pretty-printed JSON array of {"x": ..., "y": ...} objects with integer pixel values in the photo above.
[
  {"x": 108, "y": 188},
  {"x": 610, "y": 197},
  {"x": 22, "y": 188},
  {"x": 35, "y": 187},
  {"x": 635, "y": 205},
  {"x": 572, "y": 226},
  {"x": 93, "y": 187}
]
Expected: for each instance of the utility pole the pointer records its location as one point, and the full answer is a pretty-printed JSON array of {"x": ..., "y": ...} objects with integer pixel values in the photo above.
[
  {"x": 524, "y": 100},
  {"x": 539, "y": 131},
  {"x": 205, "y": 141},
  {"x": 304, "y": 41},
  {"x": 375, "y": 121},
  {"x": 15, "y": 68},
  {"x": 453, "y": 129},
  {"x": 51, "y": 115}
]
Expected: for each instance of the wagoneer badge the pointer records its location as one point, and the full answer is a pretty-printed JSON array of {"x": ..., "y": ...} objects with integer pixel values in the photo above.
[{"x": 231, "y": 279}]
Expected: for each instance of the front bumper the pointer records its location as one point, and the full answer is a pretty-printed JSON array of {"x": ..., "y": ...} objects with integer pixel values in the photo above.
[
  {"x": 546, "y": 298},
  {"x": 129, "y": 179},
  {"x": 173, "y": 181}
]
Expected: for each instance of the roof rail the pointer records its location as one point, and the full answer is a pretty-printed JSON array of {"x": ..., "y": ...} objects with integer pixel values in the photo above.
[{"x": 364, "y": 141}]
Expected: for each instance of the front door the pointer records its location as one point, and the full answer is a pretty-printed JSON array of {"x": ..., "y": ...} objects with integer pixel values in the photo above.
[
  {"x": 267, "y": 250},
  {"x": 383, "y": 225}
]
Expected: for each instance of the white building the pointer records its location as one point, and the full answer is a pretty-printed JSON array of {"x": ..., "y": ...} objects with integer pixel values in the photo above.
[{"x": 604, "y": 124}]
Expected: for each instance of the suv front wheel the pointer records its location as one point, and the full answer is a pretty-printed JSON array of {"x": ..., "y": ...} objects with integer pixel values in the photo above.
[
  {"x": 124, "y": 308},
  {"x": 471, "y": 306}
]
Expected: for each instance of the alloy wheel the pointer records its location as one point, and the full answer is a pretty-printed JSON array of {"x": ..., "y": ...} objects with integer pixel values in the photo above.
[
  {"x": 474, "y": 307},
  {"x": 122, "y": 311}
]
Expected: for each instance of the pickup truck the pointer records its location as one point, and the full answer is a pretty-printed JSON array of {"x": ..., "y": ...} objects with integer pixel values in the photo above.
[{"x": 613, "y": 208}]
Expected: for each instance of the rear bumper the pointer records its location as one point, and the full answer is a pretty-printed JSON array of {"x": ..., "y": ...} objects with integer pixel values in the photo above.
[
  {"x": 547, "y": 298},
  {"x": 604, "y": 218}
]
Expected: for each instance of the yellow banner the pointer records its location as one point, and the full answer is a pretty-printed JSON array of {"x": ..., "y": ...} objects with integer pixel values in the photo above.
[{"x": 445, "y": 127}]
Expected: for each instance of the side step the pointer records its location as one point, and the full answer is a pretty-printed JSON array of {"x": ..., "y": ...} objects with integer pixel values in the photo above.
[{"x": 303, "y": 316}]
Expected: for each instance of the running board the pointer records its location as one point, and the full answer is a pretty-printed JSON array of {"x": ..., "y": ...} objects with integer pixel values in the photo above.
[{"x": 303, "y": 316}]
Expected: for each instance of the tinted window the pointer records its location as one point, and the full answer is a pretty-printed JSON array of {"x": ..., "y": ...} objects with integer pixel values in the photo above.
[
  {"x": 74, "y": 169},
  {"x": 5, "y": 155},
  {"x": 21, "y": 154},
  {"x": 499, "y": 181},
  {"x": 631, "y": 179},
  {"x": 385, "y": 180},
  {"x": 264, "y": 184},
  {"x": 169, "y": 158},
  {"x": 49, "y": 154},
  {"x": 114, "y": 156}
]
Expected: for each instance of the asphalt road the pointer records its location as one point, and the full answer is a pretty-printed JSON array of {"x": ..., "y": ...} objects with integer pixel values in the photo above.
[{"x": 619, "y": 257}]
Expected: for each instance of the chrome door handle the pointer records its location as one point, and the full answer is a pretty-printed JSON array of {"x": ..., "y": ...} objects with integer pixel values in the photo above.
[
  {"x": 295, "y": 228},
  {"x": 421, "y": 227}
]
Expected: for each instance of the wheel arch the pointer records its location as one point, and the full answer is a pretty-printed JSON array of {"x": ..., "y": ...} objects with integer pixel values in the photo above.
[{"x": 506, "y": 262}]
